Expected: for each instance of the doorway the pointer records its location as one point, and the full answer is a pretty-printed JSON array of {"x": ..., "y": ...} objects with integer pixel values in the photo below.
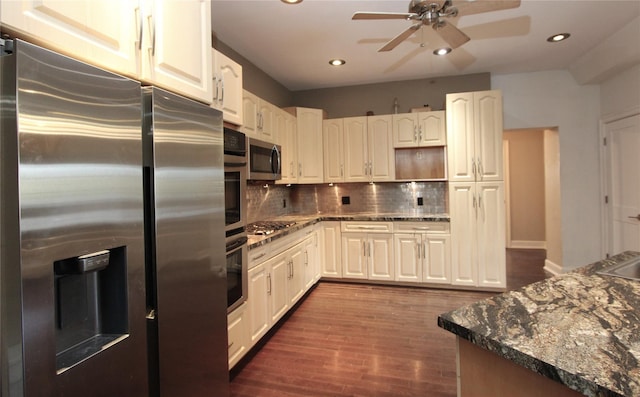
[
  {"x": 622, "y": 184},
  {"x": 532, "y": 185}
]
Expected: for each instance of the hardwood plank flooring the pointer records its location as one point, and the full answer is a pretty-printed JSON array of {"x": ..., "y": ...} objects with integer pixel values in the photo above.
[{"x": 367, "y": 340}]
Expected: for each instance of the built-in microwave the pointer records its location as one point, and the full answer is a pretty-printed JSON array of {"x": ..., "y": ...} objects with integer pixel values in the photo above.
[{"x": 264, "y": 161}]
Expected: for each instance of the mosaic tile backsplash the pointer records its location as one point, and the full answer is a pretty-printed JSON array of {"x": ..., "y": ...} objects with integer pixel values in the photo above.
[{"x": 389, "y": 197}]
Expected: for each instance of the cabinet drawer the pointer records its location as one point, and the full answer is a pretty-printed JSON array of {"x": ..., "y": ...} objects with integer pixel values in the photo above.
[
  {"x": 421, "y": 227},
  {"x": 367, "y": 227}
]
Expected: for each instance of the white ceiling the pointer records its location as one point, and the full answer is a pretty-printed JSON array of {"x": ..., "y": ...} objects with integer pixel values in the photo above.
[{"x": 293, "y": 43}]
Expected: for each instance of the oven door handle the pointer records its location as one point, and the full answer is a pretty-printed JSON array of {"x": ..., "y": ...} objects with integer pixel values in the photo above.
[{"x": 236, "y": 243}]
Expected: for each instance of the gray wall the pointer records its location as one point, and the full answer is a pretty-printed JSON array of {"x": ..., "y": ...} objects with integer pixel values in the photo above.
[
  {"x": 379, "y": 98},
  {"x": 357, "y": 100}
]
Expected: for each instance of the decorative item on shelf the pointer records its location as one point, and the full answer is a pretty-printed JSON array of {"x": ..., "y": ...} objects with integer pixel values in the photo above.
[
  {"x": 369, "y": 112},
  {"x": 425, "y": 108}
]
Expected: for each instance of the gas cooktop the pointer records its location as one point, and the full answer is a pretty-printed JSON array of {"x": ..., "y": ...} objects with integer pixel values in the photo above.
[{"x": 264, "y": 228}]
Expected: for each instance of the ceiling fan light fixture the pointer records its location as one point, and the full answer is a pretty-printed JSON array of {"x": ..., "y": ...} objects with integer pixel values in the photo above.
[
  {"x": 442, "y": 51},
  {"x": 558, "y": 37},
  {"x": 337, "y": 62}
]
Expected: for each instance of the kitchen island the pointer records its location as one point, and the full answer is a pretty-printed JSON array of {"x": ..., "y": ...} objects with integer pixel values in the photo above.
[{"x": 574, "y": 334}]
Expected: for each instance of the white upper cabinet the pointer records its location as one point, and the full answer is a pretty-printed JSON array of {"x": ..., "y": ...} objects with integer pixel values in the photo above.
[
  {"x": 227, "y": 87},
  {"x": 368, "y": 149},
  {"x": 176, "y": 53},
  {"x": 106, "y": 33},
  {"x": 259, "y": 117},
  {"x": 309, "y": 136},
  {"x": 333, "y": 145},
  {"x": 419, "y": 129},
  {"x": 287, "y": 137},
  {"x": 474, "y": 136},
  {"x": 142, "y": 39}
]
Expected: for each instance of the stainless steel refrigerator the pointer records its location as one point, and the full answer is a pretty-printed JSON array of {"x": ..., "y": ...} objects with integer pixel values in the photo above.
[
  {"x": 78, "y": 299},
  {"x": 184, "y": 188}
]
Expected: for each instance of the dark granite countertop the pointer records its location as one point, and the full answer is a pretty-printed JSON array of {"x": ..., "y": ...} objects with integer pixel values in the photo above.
[
  {"x": 304, "y": 220},
  {"x": 581, "y": 329}
]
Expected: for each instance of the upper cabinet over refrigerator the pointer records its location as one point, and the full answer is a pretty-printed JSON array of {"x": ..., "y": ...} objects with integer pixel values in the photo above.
[{"x": 162, "y": 42}]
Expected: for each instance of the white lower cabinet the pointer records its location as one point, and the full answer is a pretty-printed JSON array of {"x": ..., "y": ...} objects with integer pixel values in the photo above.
[
  {"x": 237, "y": 334},
  {"x": 422, "y": 252},
  {"x": 367, "y": 250},
  {"x": 478, "y": 234},
  {"x": 311, "y": 249},
  {"x": 331, "y": 250}
]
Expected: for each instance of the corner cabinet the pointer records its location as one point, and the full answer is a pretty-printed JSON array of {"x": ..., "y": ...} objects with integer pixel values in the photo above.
[
  {"x": 227, "y": 87},
  {"x": 331, "y": 258},
  {"x": 474, "y": 136},
  {"x": 420, "y": 129},
  {"x": 309, "y": 137},
  {"x": 287, "y": 137},
  {"x": 134, "y": 38}
]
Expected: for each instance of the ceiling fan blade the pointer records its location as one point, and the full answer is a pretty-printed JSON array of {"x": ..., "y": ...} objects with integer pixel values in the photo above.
[
  {"x": 452, "y": 35},
  {"x": 383, "y": 15},
  {"x": 479, "y": 6},
  {"x": 400, "y": 38}
]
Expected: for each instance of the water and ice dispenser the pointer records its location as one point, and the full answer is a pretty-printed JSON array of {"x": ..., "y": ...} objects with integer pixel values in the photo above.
[{"x": 90, "y": 304}]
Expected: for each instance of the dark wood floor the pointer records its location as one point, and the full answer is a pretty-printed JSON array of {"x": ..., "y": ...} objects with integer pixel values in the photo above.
[{"x": 364, "y": 340}]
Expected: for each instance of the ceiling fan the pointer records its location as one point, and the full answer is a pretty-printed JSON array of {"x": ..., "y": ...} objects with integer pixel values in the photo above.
[{"x": 434, "y": 13}]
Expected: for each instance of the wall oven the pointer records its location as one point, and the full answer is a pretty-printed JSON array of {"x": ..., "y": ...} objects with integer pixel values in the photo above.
[
  {"x": 264, "y": 161},
  {"x": 235, "y": 181}
]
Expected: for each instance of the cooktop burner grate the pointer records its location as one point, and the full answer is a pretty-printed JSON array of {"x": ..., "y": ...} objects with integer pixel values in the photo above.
[{"x": 265, "y": 228}]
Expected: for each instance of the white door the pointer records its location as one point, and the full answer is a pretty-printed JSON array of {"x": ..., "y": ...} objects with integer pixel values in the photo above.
[
  {"x": 354, "y": 255},
  {"x": 407, "y": 252},
  {"x": 258, "y": 303},
  {"x": 382, "y": 166},
  {"x": 355, "y": 149},
  {"x": 333, "y": 150},
  {"x": 380, "y": 257},
  {"x": 623, "y": 163}
]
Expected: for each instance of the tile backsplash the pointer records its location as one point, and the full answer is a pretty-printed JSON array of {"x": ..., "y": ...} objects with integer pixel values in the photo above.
[{"x": 388, "y": 197}]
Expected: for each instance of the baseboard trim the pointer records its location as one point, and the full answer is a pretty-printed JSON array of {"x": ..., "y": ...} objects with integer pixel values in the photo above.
[
  {"x": 524, "y": 244},
  {"x": 552, "y": 268}
]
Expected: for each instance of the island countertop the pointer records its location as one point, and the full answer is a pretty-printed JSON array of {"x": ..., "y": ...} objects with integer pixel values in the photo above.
[{"x": 581, "y": 329}]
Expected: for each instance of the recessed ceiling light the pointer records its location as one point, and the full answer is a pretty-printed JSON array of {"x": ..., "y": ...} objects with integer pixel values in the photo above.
[
  {"x": 442, "y": 51},
  {"x": 291, "y": 1},
  {"x": 337, "y": 62},
  {"x": 558, "y": 37}
]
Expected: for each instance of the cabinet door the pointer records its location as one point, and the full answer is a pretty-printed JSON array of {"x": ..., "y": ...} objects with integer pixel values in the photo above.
[
  {"x": 382, "y": 165},
  {"x": 310, "y": 252},
  {"x": 333, "y": 146},
  {"x": 297, "y": 272},
  {"x": 460, "y": 138},
  {"x": 310, "y": 154},
  {"x": 407, "y": 257},
  {"x": 288, "y": 140},
  {"x": 101, "y": 32},
  {"x": 431, "y": 128},
  {"x": 278, "y": 295},
  {"x": 437, "y": 259},
  {"x": 331, "y": 260},
  {"x": 356, "y": 160},
  {"x": 227, "y": 94},
  {"x": 178, "y": 54},
  {"x": 258, "y": 302},
  {"x": 380, "y": 253},
  {"x": 487, "y": 107},
  {"x": 266, "y": 125},
  {"x": 405, "y": 130},
  {"x": 464, "y": 215},
  {"x": 237, "y": 335},
  {"x": 250, "y": 114},
  {"x": 491, "y": 235},
  {"x": 354, "y": 257}
]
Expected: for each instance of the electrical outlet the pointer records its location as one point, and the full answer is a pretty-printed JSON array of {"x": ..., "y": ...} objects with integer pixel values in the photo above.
[
  {"x": 346, "y": 200},
  {"x": 420, "y": 201},
  {"x": 284, "y": 203}
]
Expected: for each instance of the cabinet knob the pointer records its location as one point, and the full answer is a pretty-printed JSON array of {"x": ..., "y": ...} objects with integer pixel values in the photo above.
[{"x": 637, "y": 217}]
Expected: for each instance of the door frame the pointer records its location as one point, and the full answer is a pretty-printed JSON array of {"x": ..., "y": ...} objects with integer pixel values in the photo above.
[{"x": 605, "y": 166}]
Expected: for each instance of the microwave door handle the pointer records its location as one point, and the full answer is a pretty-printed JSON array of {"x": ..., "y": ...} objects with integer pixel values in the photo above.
[{"x": 275, "y": 160}]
